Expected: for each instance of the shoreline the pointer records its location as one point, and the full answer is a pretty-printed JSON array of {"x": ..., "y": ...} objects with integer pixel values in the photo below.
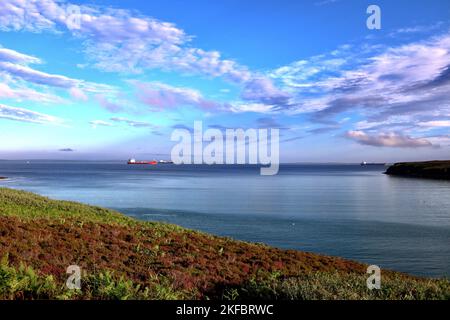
[
  {"x": 188, "y": 263},
  {"x": 436, "y": 170}
]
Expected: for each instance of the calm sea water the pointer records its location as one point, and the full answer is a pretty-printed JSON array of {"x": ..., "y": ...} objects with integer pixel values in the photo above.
[{"x": 343, "y": 210}]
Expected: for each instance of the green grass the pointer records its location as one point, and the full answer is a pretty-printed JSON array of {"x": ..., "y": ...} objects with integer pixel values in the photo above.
[
  {"x": 26, "y": 205},
  {"x": 19, "y": 283},
  {"x": 336, "y": 286}
]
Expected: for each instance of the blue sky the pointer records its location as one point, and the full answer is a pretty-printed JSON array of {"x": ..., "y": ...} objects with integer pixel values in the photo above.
[{"x": 117, "y": 82}]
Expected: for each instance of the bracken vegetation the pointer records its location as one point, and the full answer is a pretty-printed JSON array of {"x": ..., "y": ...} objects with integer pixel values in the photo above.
[{"x": 123, "y": 258}]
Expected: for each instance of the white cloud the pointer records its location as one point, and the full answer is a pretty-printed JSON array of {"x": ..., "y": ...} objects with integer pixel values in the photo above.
[
  {"x": 262, "y": 90},
  {"x": 132, "y": 123},
  {"x": 29, "y": 15},
  {"x": 37, "y": 77},
  {"x": 397, "y": 89},
  {"x": 389, "y": 74},
  {"x": 120, "y": 41},
  {"x": 109, "y": 105},
  {"x": 416, "y": 29},
  {"x": 14, "y": 69},
  {"x": 23, "y": 93},
  {"x": 78, "y": 94},
  {"x": 436, "y": 123},
  {"x": 161, "y": 96},
  {"x": 24, "y": 115},
  {"x": 100, "y": 123},
  {"x": 17, "y": 57},
  {"x": 252, "y": 107},
  {"x": 390, "y": 139}
]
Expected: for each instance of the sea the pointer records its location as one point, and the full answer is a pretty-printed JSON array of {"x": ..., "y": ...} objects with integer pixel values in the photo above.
[{"x": 344, "y": 210}]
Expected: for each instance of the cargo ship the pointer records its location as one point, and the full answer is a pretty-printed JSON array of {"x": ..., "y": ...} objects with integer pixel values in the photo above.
[
  {"x": 134, "y": 161},
  {"x": 153, "y": 162}
]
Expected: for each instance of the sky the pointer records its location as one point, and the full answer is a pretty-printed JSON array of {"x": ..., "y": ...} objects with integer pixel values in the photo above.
[{"x": 109, "y": 79}]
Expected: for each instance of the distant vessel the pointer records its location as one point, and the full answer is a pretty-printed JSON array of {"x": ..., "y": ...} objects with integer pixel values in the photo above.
[
  {"x": 134, "y": 161},
  {"x": 165, "y": 162},
  {"x": 152, "y": 162},
  {"x": 364, "y": 163}
]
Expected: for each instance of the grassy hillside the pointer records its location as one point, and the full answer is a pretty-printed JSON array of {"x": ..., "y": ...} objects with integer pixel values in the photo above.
[
  {"x": 429, "y": 169},
  {"x": 124, "y": 258}
]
